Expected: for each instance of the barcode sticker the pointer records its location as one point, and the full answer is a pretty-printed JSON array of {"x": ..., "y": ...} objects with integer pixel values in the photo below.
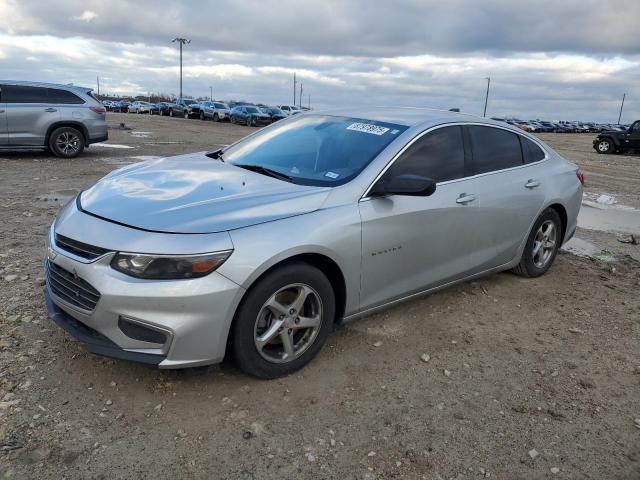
[{"x": 368, "y": 128}]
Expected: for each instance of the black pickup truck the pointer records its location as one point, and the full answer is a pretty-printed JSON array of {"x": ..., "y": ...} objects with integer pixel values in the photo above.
[{"x": 612, "y": 141}]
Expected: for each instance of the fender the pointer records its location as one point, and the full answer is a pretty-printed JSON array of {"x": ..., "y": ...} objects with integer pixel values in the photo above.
[{"x": 67, "y": 123}]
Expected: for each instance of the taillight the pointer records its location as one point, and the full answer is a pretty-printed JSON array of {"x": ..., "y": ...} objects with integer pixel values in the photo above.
[
  {"x": 580, "y": 176},
  {"x": 98, "y": 109}
]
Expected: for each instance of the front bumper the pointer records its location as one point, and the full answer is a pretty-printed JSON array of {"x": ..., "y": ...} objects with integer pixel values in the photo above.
[{"x": 194, "y": 316}]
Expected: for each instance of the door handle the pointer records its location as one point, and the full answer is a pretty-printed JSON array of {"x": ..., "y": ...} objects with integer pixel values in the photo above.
[
  {"x": 50, "y": 109},
  {"x": 463, "y": 199},
  {"x": 532, "y": 183}
]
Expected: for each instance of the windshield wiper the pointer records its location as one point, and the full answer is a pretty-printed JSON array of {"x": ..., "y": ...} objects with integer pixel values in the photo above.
[
  {"x": 266, "y": 171},
  {"x": 216, "y": 154}
]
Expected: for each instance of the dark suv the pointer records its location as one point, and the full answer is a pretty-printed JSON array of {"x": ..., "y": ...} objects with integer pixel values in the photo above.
[
  {"x": 611, "y": 141},
  {"x": 182, "y": 108},
  {"x": 62, "y": 118}
]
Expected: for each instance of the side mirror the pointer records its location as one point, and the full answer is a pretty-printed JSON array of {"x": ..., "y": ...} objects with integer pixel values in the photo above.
[{"x": 406, "y": 184}]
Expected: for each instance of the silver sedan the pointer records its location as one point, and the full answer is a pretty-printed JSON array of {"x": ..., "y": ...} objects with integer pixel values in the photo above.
[{"x": 259, "y": 249}]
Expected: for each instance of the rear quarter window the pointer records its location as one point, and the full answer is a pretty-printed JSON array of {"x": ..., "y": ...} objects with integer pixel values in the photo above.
[
  {"x": 494, "y": 149},
  {"x": 531, "y": 152}
]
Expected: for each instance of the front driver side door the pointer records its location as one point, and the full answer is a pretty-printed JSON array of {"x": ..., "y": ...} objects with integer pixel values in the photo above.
[
  {"x": 632, "y": 137},
  {"x": 411, "y": 244}
]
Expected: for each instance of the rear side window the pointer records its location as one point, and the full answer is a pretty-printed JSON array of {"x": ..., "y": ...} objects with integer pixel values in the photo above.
[
  {"x": 530, "y": 151},
  {"x": 438, "y": 155},
  {"x": 494, "y": 149},
  {"x": 55, "y": 95},
  {"x": 23, "y": 94}
]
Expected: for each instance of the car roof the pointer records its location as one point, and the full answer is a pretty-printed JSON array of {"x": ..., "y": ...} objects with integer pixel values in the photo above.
[
  {"x": 27, "y": 83},
  {"x": 408, "y": 116}
]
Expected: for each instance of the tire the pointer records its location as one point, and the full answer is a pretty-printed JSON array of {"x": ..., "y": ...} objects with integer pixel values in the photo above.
[
  {"x": 533, "y": 262},
  {"x": 249, "y": 121},
  {"x": 202, "y": 115},
  {"x": 186, "y": 114},
  {"x": 254, "y": 320},
  {"x": 66, "y": 142},
  {"x": 171, "y": 112},
  {"x": 605, "y": 146},
  {"x": 216, "y": 118}
]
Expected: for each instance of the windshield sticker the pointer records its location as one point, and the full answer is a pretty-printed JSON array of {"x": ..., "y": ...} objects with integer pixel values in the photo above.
[
  {"x": 333, "y": 175},
  {"x": 394, "y": 132},
  {"x": 368, "y": 128}
]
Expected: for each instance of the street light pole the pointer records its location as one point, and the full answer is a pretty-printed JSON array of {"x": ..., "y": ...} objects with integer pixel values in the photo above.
[
  {"x": 181, "y": 42},
  {"x": 620, "y": 116},
  {"x": 486, "y": 98},
  {"x": 211, "y": 95},
  {"x": 294, "y": 89}
]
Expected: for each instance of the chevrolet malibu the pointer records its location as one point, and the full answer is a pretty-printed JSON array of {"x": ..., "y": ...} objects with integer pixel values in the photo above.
[{"x": 259, "y": 249}]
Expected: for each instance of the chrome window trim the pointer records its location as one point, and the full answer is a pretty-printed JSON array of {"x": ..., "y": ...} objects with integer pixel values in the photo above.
[{"x": 456, "y": 124}]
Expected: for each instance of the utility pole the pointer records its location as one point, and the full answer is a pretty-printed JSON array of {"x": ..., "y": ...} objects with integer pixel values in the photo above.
[
  {"x": 309, "y": 104},
  {"x": 98, "y": 80},
  {"x": 181, "y": 41},
  {"x": 294, "y": 89},
  {"x": 211, "y": 94},
  {"x": 620, "y": 116},
  {"x": 486, "y": 98},
  {"x": 300, "y": 95}
]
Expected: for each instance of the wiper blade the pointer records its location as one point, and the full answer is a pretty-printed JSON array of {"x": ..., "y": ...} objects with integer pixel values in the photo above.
[
  {"x": 267, "y": 171},
  {"x": 216, "y": 154}
]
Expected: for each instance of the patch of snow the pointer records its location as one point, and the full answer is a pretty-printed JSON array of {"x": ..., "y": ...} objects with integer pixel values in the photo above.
[
  {"x": 111, "y": 145},
  {"x": 581, "y": 248}
]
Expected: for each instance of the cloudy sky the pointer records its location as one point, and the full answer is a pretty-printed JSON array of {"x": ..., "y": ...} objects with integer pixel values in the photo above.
[{"x": 569, "y": 59}]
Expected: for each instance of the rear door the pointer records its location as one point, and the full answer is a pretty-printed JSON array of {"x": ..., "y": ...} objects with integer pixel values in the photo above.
[
  {"x": 28, "y": 114},
  {"x": 4, "y": 137},
  {"x": 510, "y": 177}
]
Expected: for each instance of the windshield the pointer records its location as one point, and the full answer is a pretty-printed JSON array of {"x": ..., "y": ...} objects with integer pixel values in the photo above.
[
  {"x": 189, "y": 102},
  {"x": 316, "y": 150},
  {"x": 220, "y": 105},
  {"x": 252, "y": 110}
]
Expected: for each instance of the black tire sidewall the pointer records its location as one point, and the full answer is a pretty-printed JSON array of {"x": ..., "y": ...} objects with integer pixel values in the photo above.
[
  {"x": 606, "y": 151},
  {"x": 527, "y": 255},
  {"x": 216, "y": 117},
  {"x": 59, "y": 131},
  {"x": 242, "y": 333}
]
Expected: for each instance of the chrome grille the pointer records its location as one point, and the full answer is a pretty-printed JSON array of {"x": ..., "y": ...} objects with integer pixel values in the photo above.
[
  {"x": 71, "y": 288},
  {"x": 79, "y": 249}
]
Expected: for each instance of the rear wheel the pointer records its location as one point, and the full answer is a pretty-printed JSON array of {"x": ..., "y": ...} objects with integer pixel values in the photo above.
[
  {"x": 66, "y": 142},
  {"x": 604, "y": 146},
  {"x": 283, "y": 321},
  {"x": 216, "y": 118},
  {"x": 542, "y": 245},
  {"x": 201, "y": 115},
  {"x": 171, "y": 113},
  {"x": 186, "y": 114}
]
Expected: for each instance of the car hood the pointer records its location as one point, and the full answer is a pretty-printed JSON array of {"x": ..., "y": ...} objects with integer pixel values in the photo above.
[{"x": 196, "y": 194}]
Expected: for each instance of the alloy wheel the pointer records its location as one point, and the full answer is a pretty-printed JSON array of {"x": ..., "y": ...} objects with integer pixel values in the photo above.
[
  {"x": 544, "y": 244},
  {"x": 604, "y": 146},
  {"x": 68, "y": 143},
  {"x": 288, "y": 323}
]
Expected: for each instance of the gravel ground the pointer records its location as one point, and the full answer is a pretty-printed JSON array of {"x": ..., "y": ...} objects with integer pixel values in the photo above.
[{"x": 503, "y": 377}]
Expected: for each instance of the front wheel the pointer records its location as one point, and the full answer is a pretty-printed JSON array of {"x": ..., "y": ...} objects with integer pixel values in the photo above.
[
  {"x": 604, "y": 146},
  {"x": 542, "y": 245},
  {"x": 283, "y": 321},
  {"x": 171, "y": 113},
  {"x": 216, "y": 118},
  {"x": 186, "y": 114},
  {"x": 66, "y": 142}
]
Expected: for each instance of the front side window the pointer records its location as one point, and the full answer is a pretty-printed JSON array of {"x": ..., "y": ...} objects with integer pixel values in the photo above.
[
  {"x": 23, "y": 94},
  {"x": 319, "y": 150},
  {"x": 635, "y": 128},
  {"x": 438, "y": 155},
  {"x": 494, "y": 149}
]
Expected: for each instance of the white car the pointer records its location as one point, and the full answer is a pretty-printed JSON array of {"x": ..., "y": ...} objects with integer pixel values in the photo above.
[
  {"x": 289, "y": 109},
  {"x": 140, "y": 107}
]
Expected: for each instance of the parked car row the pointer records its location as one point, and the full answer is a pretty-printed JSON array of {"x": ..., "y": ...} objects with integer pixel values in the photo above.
[
  {"x": 562, "y": 126},
  {"x": 235, "y": 112}
]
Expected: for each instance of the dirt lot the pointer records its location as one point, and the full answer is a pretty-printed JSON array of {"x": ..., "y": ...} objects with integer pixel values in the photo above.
[{"x": 527, "y": 379}]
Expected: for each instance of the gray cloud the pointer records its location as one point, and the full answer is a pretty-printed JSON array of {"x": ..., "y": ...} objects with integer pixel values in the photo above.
[{"x": 571, "y": 60}]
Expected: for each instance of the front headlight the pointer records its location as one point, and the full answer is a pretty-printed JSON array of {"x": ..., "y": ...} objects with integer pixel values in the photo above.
[{"x": 168, "y": 267}]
